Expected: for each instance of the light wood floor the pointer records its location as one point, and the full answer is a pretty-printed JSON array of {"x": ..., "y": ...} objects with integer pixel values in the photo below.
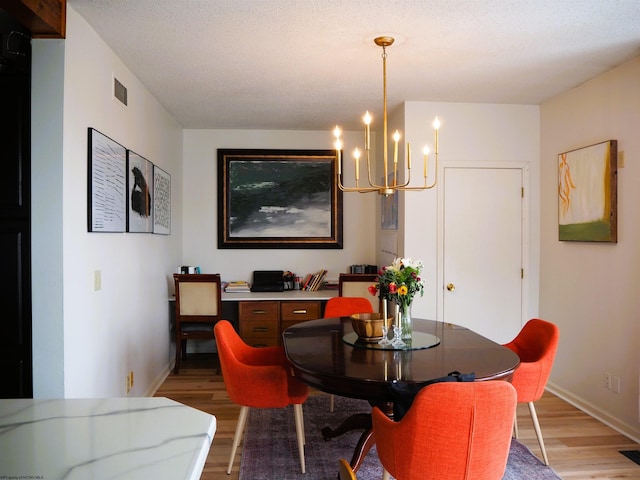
[{"x": 578, "y": 446}]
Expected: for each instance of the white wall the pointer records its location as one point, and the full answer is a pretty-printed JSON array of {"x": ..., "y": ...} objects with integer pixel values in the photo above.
[
  {"x": 86, "y": 341},
  {"x": 592, "y": 290},
  {"x": 200, "y": 208},
  {"x": 468, "y": 133}
]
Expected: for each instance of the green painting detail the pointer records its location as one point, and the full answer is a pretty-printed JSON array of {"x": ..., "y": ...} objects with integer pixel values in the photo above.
[{"x": 594, "y": 231}]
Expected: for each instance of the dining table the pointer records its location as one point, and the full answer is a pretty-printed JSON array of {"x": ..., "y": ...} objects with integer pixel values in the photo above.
[{"x": 328, "y": 355}]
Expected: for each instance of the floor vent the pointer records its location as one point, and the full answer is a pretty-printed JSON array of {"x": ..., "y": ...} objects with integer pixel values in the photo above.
[
  {"x": 633, "y": 455},
  {"x": 119, "y": 91}
]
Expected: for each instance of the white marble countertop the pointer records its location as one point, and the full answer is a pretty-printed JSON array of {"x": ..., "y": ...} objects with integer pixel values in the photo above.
[{"x": 98, "y": 439}]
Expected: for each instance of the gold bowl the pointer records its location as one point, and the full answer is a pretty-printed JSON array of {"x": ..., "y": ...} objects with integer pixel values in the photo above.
[{"x": 368, "y": 326}]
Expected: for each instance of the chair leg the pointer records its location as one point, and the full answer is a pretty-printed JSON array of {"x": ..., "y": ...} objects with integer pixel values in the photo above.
[
  {"x": 242, "y": 420},
  {"x": 536, "y": 426},
  {"x": 515, "y": 425},
  {"x": 385, "y": 474},
  {"x": 331, "y": 402},
  {"x": 176, "y": 367},
  {"x": 297, "y": 411}
]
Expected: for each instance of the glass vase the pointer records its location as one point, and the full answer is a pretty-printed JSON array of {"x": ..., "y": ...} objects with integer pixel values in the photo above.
[{"x": 406, "y": 325}]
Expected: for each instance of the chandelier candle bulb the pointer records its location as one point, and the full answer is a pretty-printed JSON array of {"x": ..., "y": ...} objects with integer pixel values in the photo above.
[
  {"x": 367, "y": 130},
  {"x": 356, "y": 155},
  {"x": 426, "y": 159},
  {"x": 436, "y": 125}
]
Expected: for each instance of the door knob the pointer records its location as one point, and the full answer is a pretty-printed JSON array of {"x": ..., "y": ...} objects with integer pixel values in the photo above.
[{"x": 451, "y": 287}]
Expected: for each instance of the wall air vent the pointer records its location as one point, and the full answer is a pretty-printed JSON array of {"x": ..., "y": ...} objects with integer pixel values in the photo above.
[{"x": 119, "y": 91}]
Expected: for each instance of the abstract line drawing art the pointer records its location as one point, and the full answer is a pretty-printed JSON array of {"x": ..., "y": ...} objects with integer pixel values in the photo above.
[{"x": 587, "y": 193}]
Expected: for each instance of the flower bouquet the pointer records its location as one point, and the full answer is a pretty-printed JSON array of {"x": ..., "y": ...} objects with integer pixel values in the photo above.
[{"x": 399, "y": 283}]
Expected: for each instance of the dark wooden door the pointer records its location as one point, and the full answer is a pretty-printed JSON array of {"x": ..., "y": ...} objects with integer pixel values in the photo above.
[{"x": 16, "y": 377}]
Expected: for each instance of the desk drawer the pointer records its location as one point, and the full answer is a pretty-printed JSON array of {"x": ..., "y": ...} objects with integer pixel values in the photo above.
[
  {"x": 299, "y": 311},
  {"x": 259, "y": 311},
  {"x": 261, "y": 342},
  {"x": 259, "y": 329}
]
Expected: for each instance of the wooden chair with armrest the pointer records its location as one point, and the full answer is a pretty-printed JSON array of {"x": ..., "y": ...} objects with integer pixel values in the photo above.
[
  {"x": 453, "y": 430},
  {"x": 198, "y": 308},
  {"x": 357, "y": 285},
  {"x": 536, "y": 345}
]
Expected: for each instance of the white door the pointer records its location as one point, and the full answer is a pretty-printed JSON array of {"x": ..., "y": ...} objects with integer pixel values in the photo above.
[{"x": 483, "y": 249}]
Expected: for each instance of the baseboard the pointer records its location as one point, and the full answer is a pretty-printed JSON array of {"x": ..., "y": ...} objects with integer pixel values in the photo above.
[
  {"x": 597, "y": 413},
  {"x": 155, "y": 385}
]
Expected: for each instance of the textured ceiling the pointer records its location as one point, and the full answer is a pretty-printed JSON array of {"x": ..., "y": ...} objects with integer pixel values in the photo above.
[{"x": 309, "y": 64}]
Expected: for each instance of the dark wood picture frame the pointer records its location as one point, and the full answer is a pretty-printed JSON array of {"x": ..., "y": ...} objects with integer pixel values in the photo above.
[
  {"x": 278, "y": 199},
  {"x": 107, "y": 189}
]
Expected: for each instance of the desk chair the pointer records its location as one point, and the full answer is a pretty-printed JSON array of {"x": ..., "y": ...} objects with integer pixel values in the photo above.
[
  {"x": 343, "y": 307},
  {"x": 453, "y": 430},
  {"x": 536, "y": 345},
  {"x": 198, "y": 308},
  {"x": 258, "y": 378},
  {"x": 357, "y": 285}
]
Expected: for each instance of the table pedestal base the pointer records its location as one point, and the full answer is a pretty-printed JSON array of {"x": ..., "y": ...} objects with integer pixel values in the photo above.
[{"x": 356, "y": 422}]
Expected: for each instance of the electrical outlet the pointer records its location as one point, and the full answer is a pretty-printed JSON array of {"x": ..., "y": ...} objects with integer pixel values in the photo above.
[
  {"x": 607, "y": 380},
  {"x": 615, "y": 384}
]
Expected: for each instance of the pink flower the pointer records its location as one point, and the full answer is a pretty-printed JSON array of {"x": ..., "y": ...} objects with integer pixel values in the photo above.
[
  {"x": 373, "y": 290},
  {"x": 393, "y": 287}
]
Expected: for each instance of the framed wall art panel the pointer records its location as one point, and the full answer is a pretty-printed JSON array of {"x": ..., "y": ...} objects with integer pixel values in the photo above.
[
  {"x": 107, "y": 189},
  {"x": 587, "y": 193},
  {"x": 161, "y": 201},
  {"x": 278, "y": 199},
  {"x": 140, "y": 193}
]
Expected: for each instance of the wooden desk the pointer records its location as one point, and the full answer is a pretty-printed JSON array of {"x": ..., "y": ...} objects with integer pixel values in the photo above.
[
  {"x": 321, "y": 359},
  {"x": 261, "y": 317}
]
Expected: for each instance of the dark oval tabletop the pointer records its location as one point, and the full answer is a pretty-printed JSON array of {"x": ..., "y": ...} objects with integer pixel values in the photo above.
[{"x": 321, "y": 358}]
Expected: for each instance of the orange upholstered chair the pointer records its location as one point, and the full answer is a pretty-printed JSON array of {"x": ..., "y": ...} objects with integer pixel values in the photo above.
[
  {"x": 453, "y": 430},
  {"x": 536, "y": 345},
  {"x": 258, "y": 378},
  {"x": 343, "y": 307}
]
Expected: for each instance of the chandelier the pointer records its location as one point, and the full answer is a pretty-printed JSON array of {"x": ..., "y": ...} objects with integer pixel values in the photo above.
[{"x": 393, "y": 185}]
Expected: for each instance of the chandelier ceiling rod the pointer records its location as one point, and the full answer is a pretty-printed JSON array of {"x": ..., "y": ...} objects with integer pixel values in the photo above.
[{"x": 387, "y": 188}]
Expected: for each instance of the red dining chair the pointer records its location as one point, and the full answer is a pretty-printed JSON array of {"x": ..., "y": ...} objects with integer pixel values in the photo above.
[
  {"x": 258, "y": 378},
  {"x": 536, "y": 345},
  {"x": 357, "y": 285},
  {"x": 343, "y": 307},
  {"x": 453, "y": 430}
]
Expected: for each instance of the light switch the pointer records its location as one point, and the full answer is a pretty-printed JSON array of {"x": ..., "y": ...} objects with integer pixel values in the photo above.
[{"x": 97, "y": 280}]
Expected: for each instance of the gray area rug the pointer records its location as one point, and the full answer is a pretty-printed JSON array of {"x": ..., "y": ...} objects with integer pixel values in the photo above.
[{"x": 270, "y": 451}]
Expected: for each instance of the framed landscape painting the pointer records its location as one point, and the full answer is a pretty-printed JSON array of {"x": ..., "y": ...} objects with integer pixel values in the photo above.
[
  {"x": 278, "y": 199},
  {"x": 587, "y": 193}
]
